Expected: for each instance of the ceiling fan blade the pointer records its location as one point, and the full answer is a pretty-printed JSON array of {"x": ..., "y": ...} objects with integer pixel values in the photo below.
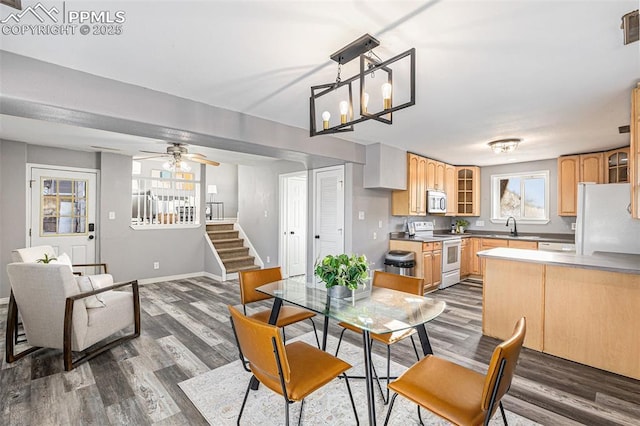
[
  {"x": 194, "y": 154},
  {"x": 203, "y": 161},
  {"x": 148, "y": 157},
  {"x": 154, "y": 152}
]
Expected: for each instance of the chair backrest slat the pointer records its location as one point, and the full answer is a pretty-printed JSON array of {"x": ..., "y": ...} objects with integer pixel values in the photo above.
[
  {"x": 250, "y": 280},
  {"x": 256, "y": 343},
  {"x": 509, "y": 350},
  {"x": 404, "y": 283}
]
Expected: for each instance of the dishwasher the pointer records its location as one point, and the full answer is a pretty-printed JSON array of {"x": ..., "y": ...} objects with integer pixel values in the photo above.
[{"x": 562, "y": 247}]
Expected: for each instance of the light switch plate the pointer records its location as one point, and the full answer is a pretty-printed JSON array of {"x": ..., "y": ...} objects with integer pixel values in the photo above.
[
  {"x": 361, "y": 215},
  {"x": 573, "y": 226},
  {"x": 479, "y": 222},
  {"x": 112, "y": 215}
]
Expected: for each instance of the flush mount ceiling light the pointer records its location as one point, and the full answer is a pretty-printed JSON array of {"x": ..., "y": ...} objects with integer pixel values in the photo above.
[
  {"x": 504, "y": 145},
  {"x": 375, "y": 103}
]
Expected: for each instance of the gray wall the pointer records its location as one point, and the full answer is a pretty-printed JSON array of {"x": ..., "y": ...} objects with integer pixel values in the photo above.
[
  {"x": 259, "y": 192},
  {"x": 556, "y": 225},
  {"x": 13, "y": 184},
  {"x": 130, "y": 254},
  {"x": 376, "y": 205},
  {"x": 225, "y": 177}
]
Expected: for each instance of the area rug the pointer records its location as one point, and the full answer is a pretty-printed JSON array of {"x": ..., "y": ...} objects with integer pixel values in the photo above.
[{"x": 218, "y": 394}]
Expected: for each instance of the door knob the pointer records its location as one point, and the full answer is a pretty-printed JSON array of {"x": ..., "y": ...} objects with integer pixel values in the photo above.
[
  {"x": 292, "y": 232},
  {"x": 91, "y": 237},
  {"x": 317, "y": 237}
]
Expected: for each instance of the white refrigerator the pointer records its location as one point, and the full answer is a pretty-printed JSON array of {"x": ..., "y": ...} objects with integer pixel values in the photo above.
[{"x": 604, "y": 221}]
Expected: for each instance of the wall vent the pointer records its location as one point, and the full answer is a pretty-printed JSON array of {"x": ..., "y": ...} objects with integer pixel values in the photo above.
[{"x": 631, "y": 27}]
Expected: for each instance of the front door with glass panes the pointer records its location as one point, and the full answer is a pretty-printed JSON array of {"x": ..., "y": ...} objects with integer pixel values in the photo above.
[{"x": 63, "y": 211}]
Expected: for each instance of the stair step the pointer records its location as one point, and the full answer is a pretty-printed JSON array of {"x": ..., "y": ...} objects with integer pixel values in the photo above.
[
  {"x": 242, "y": 268},
  {"x": 231, "y": 252},
  {"x": 238, "y": 259},
  {"x": 222, "y": 235},
  {"x": 228, "y": 243},
  {"x": 220, "y": 227}
]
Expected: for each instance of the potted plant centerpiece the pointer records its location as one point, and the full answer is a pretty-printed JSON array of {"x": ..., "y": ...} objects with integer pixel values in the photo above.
[
  {"x": 461, "y": 224},
  {"x": 342, "y": 273}
]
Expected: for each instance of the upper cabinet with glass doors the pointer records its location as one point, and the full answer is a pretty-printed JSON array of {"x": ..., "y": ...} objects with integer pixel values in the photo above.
[{"x": 617, "y": 165}]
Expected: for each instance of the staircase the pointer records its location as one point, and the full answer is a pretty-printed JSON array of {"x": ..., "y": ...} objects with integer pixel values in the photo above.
[{"x": 231, "y": 250}]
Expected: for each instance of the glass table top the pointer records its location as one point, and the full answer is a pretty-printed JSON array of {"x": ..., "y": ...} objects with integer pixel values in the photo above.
[{"x": 376, "y": 309}]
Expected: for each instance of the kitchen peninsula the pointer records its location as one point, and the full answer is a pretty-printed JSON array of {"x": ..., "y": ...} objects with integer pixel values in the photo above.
[{"x": 582, "y": 308}]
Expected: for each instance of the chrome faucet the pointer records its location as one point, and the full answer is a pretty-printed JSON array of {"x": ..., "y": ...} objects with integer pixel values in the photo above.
[{"x": 515, "y": 226}]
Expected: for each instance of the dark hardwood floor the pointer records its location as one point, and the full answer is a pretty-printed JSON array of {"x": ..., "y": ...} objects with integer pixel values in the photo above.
[{"x": 185, "y": 332}]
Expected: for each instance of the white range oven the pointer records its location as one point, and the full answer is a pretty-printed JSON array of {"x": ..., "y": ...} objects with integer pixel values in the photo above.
[{"x": 451, "y": 248}]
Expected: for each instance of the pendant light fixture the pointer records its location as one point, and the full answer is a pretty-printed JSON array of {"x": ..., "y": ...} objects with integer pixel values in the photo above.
[{"x": 370, "y": 66}]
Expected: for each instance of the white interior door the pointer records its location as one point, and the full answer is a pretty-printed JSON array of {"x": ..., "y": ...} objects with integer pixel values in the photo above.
[
  {"x": 294, "y": 226},
  {"x": 329, "y": 212},
  {"x": 63, "y": 211}
]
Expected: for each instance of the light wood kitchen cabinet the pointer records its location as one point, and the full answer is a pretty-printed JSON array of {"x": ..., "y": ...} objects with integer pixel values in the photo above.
[
  {"x": 519, "y": 244},
  {"x": 616, "y": 165},
  {"x": 468, "y": 191},
  {"x": 490, "y": 243},
  {"x": 592, "y": 167},
  {"x": 432, "y": 265},
  {"x": 450, "y": 180},
  {"x": 465, "y": 257},
  {"x": 413, "y": 200},
  {"x": 568, "y": 178},
  {"x": 475, "y": 267},
  {"x": 634, "y": 153},
  {"x": 435, "y": 175}
]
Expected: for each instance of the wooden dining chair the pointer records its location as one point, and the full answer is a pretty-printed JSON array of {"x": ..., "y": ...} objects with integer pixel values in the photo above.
[
  {"x": 250, "y": 280},
  {"x": 458, "y": 394},
  {"x": 293, "y": 371},
  {"x": 404, "y": 283}
]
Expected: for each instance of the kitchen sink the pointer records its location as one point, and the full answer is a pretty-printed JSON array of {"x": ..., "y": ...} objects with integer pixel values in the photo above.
[{"x": 519, "y": 237}]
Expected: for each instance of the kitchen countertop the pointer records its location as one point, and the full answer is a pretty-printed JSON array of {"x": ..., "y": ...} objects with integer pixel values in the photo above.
[
  {"x": 439, "y": 236},
  {"x": 612, "y": 262}
]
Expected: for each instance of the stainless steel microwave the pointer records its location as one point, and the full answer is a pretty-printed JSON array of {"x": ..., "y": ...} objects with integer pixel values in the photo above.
[{"x": 436, "y": 202}]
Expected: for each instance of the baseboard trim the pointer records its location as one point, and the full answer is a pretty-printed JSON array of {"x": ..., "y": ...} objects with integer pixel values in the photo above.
[
  {"x": 170, "y": 278},
  {"x": 232, "y": 276},
  {"x": 4, "y": 301}
]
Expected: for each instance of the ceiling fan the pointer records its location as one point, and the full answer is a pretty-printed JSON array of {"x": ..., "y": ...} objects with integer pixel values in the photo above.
[{"x": 177, "y": 152}]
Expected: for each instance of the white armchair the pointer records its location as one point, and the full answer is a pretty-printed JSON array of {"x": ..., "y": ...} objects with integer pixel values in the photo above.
[
  {"x": 33, "y": 254},
  {"x": 54, "y": 314}
]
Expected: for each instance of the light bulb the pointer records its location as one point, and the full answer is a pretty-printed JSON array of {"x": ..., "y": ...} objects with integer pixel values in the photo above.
[
  {"x": 344, "y": 109},
  {"x": 365, "y": 101},
  {"x": 386, "y": 95},
  {"x": 325, "y": 119}
]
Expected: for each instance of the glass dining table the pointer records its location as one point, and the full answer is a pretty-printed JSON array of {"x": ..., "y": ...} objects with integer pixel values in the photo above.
[{"x": 374, "y": 310}]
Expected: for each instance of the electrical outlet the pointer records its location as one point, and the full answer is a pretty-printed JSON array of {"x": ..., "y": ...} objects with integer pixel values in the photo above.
[
  {"x": 380, "y": 224},
  {"x": 375, "y": 236},
  {"x": 479, "y": 222},
  {"x": 361, "y": 215},
  {"x": 573, "y": 226},
  {"x": 268, "y": 259},
  {"x": 156, "y": 265},
  {"x": 266, "y": 214}
]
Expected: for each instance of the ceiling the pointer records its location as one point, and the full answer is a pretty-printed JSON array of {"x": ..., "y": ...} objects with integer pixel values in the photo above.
[{"x": 554, "y": 73}]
